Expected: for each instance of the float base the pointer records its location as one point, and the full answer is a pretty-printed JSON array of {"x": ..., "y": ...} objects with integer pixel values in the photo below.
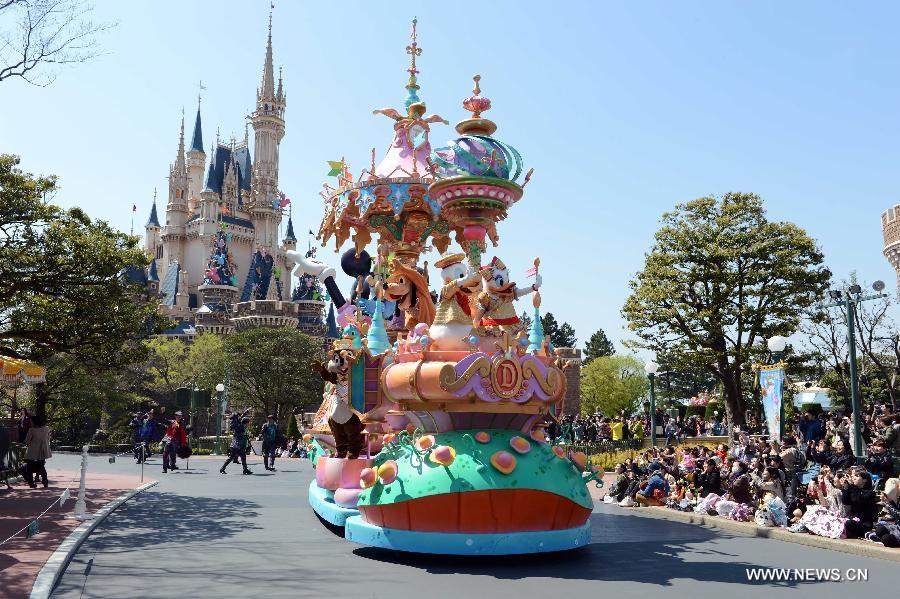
[
  {"x": 359, "y": 531},
  {"x": 322, "y": 501}
]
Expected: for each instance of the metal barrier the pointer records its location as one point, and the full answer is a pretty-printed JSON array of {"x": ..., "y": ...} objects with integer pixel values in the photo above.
[{"x": 12, "y": 460}]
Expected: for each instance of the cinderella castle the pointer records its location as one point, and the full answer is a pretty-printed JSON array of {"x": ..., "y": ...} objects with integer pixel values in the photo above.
[{"x": 217, "y": 261}]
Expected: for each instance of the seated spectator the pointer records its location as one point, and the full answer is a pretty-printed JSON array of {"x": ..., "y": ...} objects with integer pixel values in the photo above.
[
  {"x": 858, "y": 496},
  {"x": 709, "y": 480},
  {"x": 890, "y": 433},
  {"x": 879, "y": 462},
  {"x": 838, "y": 458},
  {"x": 738, "y": 483},
  {"x": 770, "y": 482},
  {"x": 656, "y": 490},
  {"x": 721, "y": 451},
  {"x": 620, "y": 485},
  {"x": 887, "y": 529}
]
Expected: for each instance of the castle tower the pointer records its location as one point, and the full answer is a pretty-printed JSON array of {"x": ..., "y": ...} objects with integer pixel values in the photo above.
[
  {"x": 177, "y": 212},
  {"x": 196, "y": 159},
  {"x": 890, "y": 226},
  {"x": 152, "y": 243},
  {"x": 268, "y": 128}
]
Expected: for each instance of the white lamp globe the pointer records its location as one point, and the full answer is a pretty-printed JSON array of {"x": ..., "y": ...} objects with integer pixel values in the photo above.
[
  {"x": 651, "y": 367},
  {"x": 777, "y": 344},
  {"x": 220, "y": 387}
]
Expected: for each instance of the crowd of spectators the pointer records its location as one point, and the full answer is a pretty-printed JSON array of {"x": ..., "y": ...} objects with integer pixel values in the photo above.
[
  {"x": 598, "y": 428},
  {"x": 809, "y": 483}
]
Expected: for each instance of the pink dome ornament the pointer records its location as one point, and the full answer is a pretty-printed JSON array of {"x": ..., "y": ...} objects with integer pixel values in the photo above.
[
  {"x": 367, "y": 478},
  {"x": 483, "y": 437},
  {"x": 387, "y": 472},
  {"x": 425, "y": 443},
  {"x": 443, "y": 455},
  {"x": 559, "y": 451},
  {"x": 503, "y": 461},
  {"x": 520, "y": 444}
]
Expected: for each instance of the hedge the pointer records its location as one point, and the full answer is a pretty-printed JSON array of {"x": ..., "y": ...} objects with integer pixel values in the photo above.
[{"x": 815, "y": 408}]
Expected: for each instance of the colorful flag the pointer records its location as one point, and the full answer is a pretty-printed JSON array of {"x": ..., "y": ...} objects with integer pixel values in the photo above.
[
  {"x": 531, "y": 271},
  {"x": 63, "y": 497},
  {"x": 337, "y": 168}
]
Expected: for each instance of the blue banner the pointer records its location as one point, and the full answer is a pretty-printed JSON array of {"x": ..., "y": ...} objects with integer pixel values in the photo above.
[{"x": 771, "y": 385}]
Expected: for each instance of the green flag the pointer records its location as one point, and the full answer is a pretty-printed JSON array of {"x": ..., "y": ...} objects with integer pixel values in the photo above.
[{"x": 337, "y": 168}]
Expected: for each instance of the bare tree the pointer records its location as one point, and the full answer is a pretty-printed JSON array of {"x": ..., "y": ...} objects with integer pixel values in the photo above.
[
  {"x": 37, "y": 35},
  {"x": 877, "y": 340}
]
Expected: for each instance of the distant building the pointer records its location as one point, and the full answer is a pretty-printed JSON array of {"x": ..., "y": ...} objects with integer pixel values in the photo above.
[
  {"x": 218, "y": 264},
  {"x": 890, "y": 227}
]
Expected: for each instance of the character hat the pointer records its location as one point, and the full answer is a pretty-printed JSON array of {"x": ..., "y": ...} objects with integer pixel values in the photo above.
[
  {"x": 449, "y": 259},
  {"x": 497, "y": 263}
]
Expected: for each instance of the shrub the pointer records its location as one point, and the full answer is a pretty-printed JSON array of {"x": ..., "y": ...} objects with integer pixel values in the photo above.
[
  {"x": 711, "y": 407},
  {"x": 694, "y": 411},
  {"x": 815, "y": 408}
]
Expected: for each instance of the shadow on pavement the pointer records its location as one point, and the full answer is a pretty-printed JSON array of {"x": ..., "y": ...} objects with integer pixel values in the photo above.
[
  {"x": 618, "y": 551},
  {"x": 153, "y": 518}
]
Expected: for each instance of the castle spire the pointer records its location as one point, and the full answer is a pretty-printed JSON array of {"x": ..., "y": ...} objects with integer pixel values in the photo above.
[
  {"x": 153, "y": 221},
  {"x": 197, "y": 138},
  {"x": 289, "y": 235},
  {"x": 413, "y": 50},
  {"x": 267, "y": 89},
  {"x": 179, "y": 161}
]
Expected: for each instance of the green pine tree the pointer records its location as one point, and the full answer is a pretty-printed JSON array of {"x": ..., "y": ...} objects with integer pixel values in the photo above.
[{"x": 598, "y": 345}]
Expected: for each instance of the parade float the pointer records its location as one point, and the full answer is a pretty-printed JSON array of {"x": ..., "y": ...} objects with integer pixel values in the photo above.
[{"x": 431, "y": 436}]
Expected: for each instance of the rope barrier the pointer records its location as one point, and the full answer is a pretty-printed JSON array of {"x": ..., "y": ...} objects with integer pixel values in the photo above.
[{"x": 31, "y": 527}]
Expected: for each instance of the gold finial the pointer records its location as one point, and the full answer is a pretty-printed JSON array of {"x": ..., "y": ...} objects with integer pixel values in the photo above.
[
  {"x": 476, "y": 90},
  {"x": 413, "y": 50},
  {"x": 476, "y": 104}
]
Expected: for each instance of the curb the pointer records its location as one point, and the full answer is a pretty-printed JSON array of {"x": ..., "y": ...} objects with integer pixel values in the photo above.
[
  {"x": 54, "y": 567},
  {"x": 850, "y": 546}
]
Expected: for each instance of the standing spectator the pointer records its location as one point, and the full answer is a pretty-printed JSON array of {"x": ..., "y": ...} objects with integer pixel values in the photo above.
[
  {"x": 811, "y": 428},
  {"x": 890, "y": 434},
  {"x": 616, "y": 427},
  {"x": 37, "y": 452},
  {"x": 174, "y": 438},
  {"x": 269, "y": 438},
  {"x": 794, "y": 462},
  {"x": 135, "y": 425},
  {"x": 25, "y": 423},
  {"x": 671, "y": 432}
]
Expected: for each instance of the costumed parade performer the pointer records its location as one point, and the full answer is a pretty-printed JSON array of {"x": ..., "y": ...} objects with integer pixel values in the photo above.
[{"x": 238, "y": 448}]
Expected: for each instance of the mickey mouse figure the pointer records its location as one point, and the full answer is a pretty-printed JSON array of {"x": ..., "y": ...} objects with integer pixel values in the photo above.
[{"x": 345, "y": 425}]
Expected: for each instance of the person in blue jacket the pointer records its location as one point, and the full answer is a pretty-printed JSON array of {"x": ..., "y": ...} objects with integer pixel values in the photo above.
[{"x": 646, "y": 496}]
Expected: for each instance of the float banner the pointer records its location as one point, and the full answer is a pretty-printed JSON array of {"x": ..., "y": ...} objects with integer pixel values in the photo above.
[{"x": 771, "y": 379}]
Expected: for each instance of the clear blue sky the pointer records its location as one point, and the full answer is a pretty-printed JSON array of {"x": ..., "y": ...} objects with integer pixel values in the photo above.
[{"x": 623, "y": 109}]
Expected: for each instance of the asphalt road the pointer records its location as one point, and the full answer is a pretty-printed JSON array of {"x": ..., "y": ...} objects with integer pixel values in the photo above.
[{"x": 201, "y": 534}]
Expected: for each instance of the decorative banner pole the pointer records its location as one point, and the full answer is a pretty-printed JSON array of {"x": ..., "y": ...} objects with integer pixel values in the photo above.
[{"x": 80, "y": 512}]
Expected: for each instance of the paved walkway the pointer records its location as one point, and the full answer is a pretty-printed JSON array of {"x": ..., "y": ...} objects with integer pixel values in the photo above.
[
  {"x": 21, "y": 559},
  {"x": 201, "y": 534}
]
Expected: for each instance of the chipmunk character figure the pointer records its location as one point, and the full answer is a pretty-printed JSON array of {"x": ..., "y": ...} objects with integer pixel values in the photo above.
[
  {"x": 452, "y": 324},
  {"x": 409, "y": 288},
  {"x": 493, "y": 311},
  {"x": 343, "y": 422}
]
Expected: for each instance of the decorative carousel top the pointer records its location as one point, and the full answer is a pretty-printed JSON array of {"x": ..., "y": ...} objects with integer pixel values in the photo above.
[{"x": 391, "y": 198}]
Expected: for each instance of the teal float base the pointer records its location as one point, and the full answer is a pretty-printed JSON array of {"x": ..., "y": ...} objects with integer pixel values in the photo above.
[
  {"x": 322, "y": 501},
  {"x": 364, "y": 533}
]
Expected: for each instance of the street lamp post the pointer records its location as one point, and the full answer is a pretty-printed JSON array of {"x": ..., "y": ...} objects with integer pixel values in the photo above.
[
  {"x": 650, "y": 368},
  {"x": 848, "y": 300},
  {"x": 220, "y": 393}
]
